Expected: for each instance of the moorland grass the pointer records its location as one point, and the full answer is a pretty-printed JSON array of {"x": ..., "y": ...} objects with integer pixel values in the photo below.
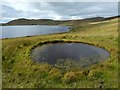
[{"x": 19, "y": 71}]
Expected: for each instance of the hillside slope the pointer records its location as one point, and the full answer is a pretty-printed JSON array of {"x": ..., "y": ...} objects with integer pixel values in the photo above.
[
  {"x": 19, "y": 71},
  {"x": 24, "y": 21}
]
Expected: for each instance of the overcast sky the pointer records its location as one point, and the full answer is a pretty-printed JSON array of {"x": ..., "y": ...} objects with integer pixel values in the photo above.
[{"x": 57, "y": 10}]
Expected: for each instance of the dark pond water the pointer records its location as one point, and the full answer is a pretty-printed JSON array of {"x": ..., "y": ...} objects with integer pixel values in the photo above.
[
  {"x": 82, "y": 53},
  {"x": 30, "y": 30}
]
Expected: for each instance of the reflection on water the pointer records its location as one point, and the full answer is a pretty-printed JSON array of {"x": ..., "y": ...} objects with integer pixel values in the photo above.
[
  {"x": 30, "y": 30},
  {"x": 82, "y": 53}
]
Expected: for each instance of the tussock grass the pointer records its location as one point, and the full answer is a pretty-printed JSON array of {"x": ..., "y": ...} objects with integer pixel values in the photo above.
[{"x": 19, "y": 71}]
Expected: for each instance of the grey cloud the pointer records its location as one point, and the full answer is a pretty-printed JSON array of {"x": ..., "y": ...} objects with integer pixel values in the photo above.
[
  {"x": 10, "y": 12},
  {"x": 61, "y": 10},
  {"x": 82, "y": 8}
]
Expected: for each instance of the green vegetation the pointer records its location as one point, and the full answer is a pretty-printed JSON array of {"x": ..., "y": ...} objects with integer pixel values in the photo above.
[
  {"x": 19, "y": 71},
  {"x": 23, "y": 21}
]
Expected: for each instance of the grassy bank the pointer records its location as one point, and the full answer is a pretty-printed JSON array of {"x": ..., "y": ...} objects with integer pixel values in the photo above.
[{"x": 19, "y": 71}]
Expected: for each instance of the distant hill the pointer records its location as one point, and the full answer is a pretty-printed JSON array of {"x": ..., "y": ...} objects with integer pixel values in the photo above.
[
  {"x": 23, "y": 21},
  {"x": 109, "y": 18}
]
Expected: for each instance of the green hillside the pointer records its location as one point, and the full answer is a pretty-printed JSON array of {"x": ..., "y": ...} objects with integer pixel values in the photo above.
[
  {"x": 19, "y": 71},
  {"x": 23, "y": 21}
]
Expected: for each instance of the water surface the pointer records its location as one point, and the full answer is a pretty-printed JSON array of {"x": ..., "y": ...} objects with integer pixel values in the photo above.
[
  {"x": 83, "y": 53},
  {"x": 30, "y": 30}
]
